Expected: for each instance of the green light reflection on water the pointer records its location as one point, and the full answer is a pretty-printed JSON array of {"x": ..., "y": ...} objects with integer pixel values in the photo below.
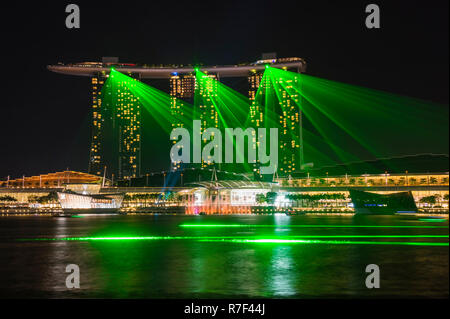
[
  {"x": 329, "y": 242},
  {"x": 305, "y": 226},
  {"x": 225, "y": 238}
]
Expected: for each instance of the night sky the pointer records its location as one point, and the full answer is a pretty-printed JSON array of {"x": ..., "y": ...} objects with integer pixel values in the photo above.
[{"x": 45, "y": 117}]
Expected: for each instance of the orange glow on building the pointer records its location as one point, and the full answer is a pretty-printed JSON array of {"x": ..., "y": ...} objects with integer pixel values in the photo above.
[{"x": 51, "y": 180}]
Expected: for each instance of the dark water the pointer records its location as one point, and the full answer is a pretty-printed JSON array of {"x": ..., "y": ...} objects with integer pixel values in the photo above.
[{"x": 190, "y": 267}]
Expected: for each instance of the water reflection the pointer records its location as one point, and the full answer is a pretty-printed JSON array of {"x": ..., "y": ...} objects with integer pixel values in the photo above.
[
  {"x": 191, "y": 268},
  {"x": 282, "y": 272}
]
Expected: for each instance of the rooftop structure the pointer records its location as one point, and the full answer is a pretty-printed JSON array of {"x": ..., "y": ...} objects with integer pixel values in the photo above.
[
  {"x": 165, "y": 71},
  {"x": 51, "y": 180},
  {"x": 116, "y": 124}
]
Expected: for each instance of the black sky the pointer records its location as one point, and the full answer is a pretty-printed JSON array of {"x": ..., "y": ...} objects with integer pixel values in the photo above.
[{"x": 45, "y": 117}]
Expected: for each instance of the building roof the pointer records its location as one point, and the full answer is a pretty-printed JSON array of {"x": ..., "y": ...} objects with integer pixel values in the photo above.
[
  {"x": 162, "y": 72},
  {"x": 52, "y": 179}
]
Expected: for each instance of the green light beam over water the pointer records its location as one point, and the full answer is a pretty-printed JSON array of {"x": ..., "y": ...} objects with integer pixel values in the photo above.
[
  {"x": 255, "y": 239},
  {"x": 433, "y": 220},
  {"x": 329, "y": 242},
  {"x": 304, "y": 226}
]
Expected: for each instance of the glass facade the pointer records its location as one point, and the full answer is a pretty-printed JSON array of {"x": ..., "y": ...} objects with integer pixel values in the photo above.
[
  {"x": 181, "y": 89},
  {"x": 279, "y": 97},
  {"x": 97, "y": 160},
  {"x": 206, "y": 88},
  {"x": 116, "y": 128}
]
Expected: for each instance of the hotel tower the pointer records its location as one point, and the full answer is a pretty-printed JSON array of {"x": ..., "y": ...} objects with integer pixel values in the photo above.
[{"x": 116, "y": 122}]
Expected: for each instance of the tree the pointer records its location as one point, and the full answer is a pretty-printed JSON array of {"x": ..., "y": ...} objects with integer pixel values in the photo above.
[
  {"x": 431, "y": 200},
  {"x": 52, "y": 197},
  {"x": 7, "y": 198},
  {"x": 260, "y": 198},
  {"x": 33, "y": 199},
  {"x": 271, "y": 197},
  {"x": 170, "y": 196}
]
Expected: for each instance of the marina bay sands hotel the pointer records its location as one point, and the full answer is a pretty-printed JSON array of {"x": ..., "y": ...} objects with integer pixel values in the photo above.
[{"x": 116, "y": 135}]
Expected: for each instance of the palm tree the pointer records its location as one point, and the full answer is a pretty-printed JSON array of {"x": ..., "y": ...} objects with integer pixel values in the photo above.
[{"x": 430, "y": 200}]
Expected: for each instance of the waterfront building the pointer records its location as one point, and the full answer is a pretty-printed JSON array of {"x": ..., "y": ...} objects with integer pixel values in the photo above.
[
  {"x": 256, "y": 114},
  {"x": 367, "y": 180},
  {"x": 116, "y": 124},
  {"x": 99, "y": 114},
  {"x": 205, "y": 92},
  {"x": 116, "y": 138},
  {"x": 40, "y": 191},
  {"x": 50, "y": 180},
  {"x": 284, "y": 104},
  {"x": 182, "y": 88},
  {"x": 321, "y": 193}
]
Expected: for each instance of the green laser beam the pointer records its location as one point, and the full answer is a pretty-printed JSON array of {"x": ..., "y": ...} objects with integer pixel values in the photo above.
[
  {"x": 329, "y": 242},
  {"x": 337, "y": 117},
  {"x": 226, "y": 237},
  {"x": 432, "y": 220},
  {"x": 306, "y": 226},
  {"x": 303, "y": 239}
]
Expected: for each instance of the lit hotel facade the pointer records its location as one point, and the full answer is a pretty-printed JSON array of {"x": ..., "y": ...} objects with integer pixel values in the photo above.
[
  {"x": 116, "y": 125},
  {"x": 116, "y": 134}
]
